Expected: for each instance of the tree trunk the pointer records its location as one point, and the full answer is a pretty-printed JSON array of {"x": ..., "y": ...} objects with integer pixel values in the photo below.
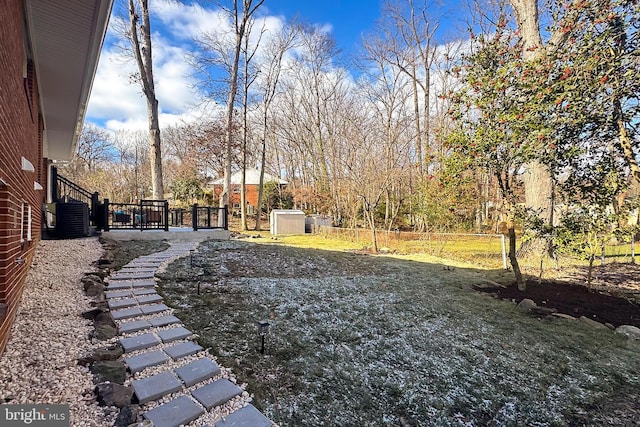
[
  {"x": 537, "y": 178},
  {"x": 513, "y": 259},
  {"x": 143, "y": 56},
  {"x": 263, "y": 159},
  {"x": 157, "y": 187}
]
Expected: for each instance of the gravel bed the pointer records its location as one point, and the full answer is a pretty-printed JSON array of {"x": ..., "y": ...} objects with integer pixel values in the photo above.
[{"x": 39, "y": 365}]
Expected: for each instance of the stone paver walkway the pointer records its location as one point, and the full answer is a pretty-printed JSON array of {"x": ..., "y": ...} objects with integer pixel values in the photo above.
[{"x": 159, "y": 352}]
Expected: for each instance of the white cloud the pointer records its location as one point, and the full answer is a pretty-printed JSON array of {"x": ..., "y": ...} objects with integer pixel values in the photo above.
[
  {"x": 117, "y": 102},
  {"x": 188, "y": 21}
]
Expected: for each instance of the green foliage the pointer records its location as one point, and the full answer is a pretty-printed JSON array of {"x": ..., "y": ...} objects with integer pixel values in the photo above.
[
  {"x": 444, "y": 201},
  {"x": 492, "y": 112},
  {"x": 584, "y": 232},
  {"x": 275, "y": 197},
  {"x": 187, "y": 190}
]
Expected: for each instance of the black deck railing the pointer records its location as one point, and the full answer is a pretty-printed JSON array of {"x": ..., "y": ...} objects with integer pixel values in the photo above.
[
  {"x": 144, "y": 215},
  {"x": 209, "y": 217},
  {"x": 66, "y": 191}
]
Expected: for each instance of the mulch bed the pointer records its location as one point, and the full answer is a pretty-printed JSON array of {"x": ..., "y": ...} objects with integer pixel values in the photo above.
[{"x": 612, "y": 299}]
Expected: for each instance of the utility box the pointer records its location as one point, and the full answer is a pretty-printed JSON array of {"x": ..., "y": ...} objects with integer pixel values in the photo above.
[{"x": 286, "y": 221}]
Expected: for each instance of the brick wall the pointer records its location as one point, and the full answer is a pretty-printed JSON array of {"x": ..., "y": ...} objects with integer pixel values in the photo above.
[
  {"x": 20, "y": 136},
  {"x": 251, "y": 195}
]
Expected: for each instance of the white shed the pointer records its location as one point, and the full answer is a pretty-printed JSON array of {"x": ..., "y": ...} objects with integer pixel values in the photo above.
[{"x": 286, "y": 221}]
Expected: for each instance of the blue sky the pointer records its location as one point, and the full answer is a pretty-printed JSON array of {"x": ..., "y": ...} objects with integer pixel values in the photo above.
[
  {"x": 117, "y": 104},
  {"x": 348, "y": 19}
]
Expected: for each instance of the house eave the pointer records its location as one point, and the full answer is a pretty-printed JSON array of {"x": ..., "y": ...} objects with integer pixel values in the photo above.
[{"x": 65, "y": 37}]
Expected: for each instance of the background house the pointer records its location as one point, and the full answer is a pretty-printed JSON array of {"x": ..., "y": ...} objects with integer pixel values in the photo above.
[
  {"x": 252, "y": 181},
  {"x": 49, "y": 51}
]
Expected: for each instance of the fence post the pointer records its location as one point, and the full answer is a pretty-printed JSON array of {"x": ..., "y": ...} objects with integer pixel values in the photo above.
[
  {"x": 504, "y": 252},
  {"x": 105, "y": 214},
  {"x": 225, "y": 220},
  {"x": 93, "y": 216},
  {"x": 141, "y": 216},
  {"x": 54, "y": 184},
  {"x": 166, "y": 215},
  {"x": 194, "y": 216}
]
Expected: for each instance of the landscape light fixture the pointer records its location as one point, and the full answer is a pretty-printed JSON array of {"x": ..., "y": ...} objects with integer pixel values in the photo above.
[
  {"x": 191, "y": 257},
  {"x": 263, "y": 329}
]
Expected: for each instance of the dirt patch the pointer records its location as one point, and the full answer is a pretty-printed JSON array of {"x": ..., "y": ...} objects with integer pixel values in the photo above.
[{"x": 613, "y": 297}]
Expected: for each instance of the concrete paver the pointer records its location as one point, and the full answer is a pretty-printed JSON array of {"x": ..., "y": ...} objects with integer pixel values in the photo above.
[
  {"x": 135, "y": 326},
  {"x": 126, "y": 313},
  {"x": 156, "y": 386},
  {"x": 174, "y": 334},
  {"x": 119, "y": 285},
  {"x": 163, "y": 320},
  {"x": 216, "y": 393},
  {"x": 148, "y": 299},
  {"x": 146, "y": 360},
  {"x": 132, "y": 276},
  {"x": 198, "y": 370},
  {"x": 143, "y": 283},
  {"x": 143, "y": 291},
  {"x": 182, "y": 349},
  {"x": 117, "y": 294},
  {"x": 153, "y": 308},
  {"x": 139, "y": 342},
  {"x": 137, "y": 269},
  {"x": 175, "y": 413},
  {"x": 115, "y": 304},
  {"x": 248, "y": 416}
]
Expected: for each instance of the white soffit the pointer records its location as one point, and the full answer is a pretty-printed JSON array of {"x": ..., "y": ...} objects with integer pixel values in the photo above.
[{"x": 66, "y": 37}]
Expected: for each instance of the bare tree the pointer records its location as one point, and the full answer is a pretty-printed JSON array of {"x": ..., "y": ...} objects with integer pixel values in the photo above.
[
  {"x": 241, "y": 13},
  {"x": 277, "y": 46},
  {"x": 410, "y": 34},
  {"x": 140, "y": 37},
  {"x": 387, "y": 91},
  {"x": 95, "y": 150}
]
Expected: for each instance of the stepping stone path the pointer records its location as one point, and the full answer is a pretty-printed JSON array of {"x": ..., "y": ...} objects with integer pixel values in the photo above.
[{"x": 156, "y": 341}]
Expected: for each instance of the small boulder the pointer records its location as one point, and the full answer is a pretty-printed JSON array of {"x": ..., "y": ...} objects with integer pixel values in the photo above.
[
  {"x": 105, "y": 353},
  {"x": 563, "y": 316},
  {"x": 630, "y": 331},
  {"x": 108, "y": 353},
  {"x": 90, "y": 278},
  {"x": 107, "y": 258},
  {"x": 526, "y": 305},
  {"x": 127, "y": 416},
  {"x": 110, "y": 394},
  {"x": 104, "y": 318},
  {"x": 542, "y": 311},
  {"x": 91, "y": 314},
  {"x": 488, "y": 286},
  {"x": 111, "y": 371},
  {"x": 592, "y": 323},
  {"x": 104, "y": 332},
  {"x": 94, "y": 289}
]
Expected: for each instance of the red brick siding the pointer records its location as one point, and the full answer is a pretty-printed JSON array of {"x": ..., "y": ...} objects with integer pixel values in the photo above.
[
  {"x": 20, "y": 136},
  {"x": 251, "y": 196}
]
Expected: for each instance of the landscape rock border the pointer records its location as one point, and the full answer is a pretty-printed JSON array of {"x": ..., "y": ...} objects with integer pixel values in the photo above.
[
  {"x": 529, "y": 306},
  {"x": 106, "y": 364}
]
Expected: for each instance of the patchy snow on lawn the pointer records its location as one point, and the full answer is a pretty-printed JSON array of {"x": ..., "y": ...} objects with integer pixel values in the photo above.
[{"x": 364, "y": 340}]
